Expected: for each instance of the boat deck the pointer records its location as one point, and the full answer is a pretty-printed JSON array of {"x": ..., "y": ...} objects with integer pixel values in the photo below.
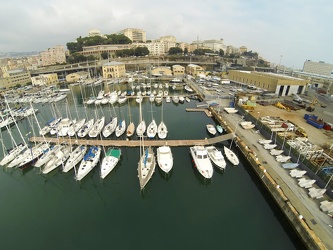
[{"x": 134, "y": 143}]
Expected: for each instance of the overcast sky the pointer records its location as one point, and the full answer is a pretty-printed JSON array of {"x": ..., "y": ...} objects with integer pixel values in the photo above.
[{"x": 290, "y": 31}]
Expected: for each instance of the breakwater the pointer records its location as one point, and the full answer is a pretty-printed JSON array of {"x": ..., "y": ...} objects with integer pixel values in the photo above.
[{"x": 296, "y": 220}]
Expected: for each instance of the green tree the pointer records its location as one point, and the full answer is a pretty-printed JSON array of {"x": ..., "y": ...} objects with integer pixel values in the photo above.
[
  {"x": 185, "y": 51},
  {"x": 104, "y": 55},
  {"x": 221, "y": 52},
  {"x": 141, "y": 51},
  {"x": 175, "y": 51}
]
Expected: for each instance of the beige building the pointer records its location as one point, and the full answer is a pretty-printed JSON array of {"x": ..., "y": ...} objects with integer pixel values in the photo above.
[
  {"x": 113, "y": 69},
  {"x": 156, "y": 48},
  {"x": 161, "y": 71},
  {"x": 178, "y": 70},
  {"x": 12, "y": 78},
  {"x": 45, "y": 79},
  {"x": 77, "y": 76},
  {"x": 136, "y": 35},
  {"x": 213, "y": 44},
  {"x": 53, "y": 56},
  {"x": 281, "y": 85},
  {"x": 242, "y": 49},
  {"x": 111, "y": 49},
  {"x": 194, "y": 70}
]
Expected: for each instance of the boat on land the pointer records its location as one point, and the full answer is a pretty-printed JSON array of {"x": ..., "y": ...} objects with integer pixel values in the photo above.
[
  {"x": 247, "y": 125},
  {"x": 290, "y": 165},
  {"x": 269, "y": 146},
  {"x": 275, "y": 152},
  {"x": 264, "y": 141},
  {"x": 231, "y": 110},
  {"x": 202, "y": 161},
  {"x": 211, "y": 129},
  {"x": 282, "y": 158},
  {"x": 231, "y": 156},
  {"x": 89, "y": 161},
  {"x": 110, "y": 161},
  {"x": 297, "y": 173},
  {"x": 110, "y": 127},
  {"x": 165, "y": 158},
  {"x": 75, "y": 157},
  {"x": 216, "y": 157}
]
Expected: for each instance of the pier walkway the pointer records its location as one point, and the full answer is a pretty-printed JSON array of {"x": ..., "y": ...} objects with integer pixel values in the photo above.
[
  {"x": 134, "y": 143},
  {"x": 208, "y": 113}
]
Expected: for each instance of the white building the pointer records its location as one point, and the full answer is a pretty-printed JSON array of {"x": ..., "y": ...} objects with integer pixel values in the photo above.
[{"x": 319, "y": 68}]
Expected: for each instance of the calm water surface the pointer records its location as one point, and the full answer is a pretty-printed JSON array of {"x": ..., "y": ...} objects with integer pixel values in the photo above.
[{"x": 179, "y": 211}]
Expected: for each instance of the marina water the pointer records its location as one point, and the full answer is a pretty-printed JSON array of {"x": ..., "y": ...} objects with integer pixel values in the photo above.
[{"x": 179, "y": 211}]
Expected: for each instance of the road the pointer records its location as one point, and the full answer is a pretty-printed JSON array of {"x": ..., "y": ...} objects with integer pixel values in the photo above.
[{"x": 318, "y": 221}]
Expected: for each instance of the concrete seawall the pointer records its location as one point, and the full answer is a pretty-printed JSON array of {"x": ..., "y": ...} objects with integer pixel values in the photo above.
[{"x": 306, "y": 234}]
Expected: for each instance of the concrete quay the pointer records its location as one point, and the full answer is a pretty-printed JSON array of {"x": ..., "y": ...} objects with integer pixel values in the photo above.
[{"x": 312, "y": 226}]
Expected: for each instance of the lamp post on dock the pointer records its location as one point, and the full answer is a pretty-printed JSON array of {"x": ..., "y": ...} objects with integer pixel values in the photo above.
[{"x": 258, "y": 117}]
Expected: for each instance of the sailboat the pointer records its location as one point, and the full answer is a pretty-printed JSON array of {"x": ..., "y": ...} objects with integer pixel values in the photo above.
[
  {"x": 152, "y": 127},
  {"x": 75, "y": 157},
  {"x": 97, "y": 128},
  {"x": 121, "y": 127},
  {"x": 110, "y": 127},
  {"x": 131, "y": 127},
  {"x": 231, "y": 156},
  {"x": 89, "y": 161},
  {"x": 110, "y": 160},
  {"x": 59, "y": 158},
  {"x": 162, "y": 130},
  {"x": 85, "y": 128},
  {"x": 47, "y": 156},
  {"x": 75, "y": 127},
  {"x": 147, "y": 162}
]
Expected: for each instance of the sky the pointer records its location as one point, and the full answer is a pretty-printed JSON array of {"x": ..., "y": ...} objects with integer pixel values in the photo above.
[{"x": 286, "y": 32}]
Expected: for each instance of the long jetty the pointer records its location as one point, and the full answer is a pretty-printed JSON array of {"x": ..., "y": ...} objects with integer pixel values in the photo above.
[{"x": 134, "y": 143}]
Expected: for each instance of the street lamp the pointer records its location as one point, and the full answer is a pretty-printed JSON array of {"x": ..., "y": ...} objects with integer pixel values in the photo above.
[
  {"x": 235, "y": 131},
  {"x": 258, "y": 117}
]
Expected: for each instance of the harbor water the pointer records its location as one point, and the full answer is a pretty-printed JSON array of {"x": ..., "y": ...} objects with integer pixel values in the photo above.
[{"x": 178, "y": 211}]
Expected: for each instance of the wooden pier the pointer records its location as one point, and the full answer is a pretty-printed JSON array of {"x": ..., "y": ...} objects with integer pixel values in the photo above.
[
  {"x": 134, "y": 143},
  {"x": 207, "y": 112}
]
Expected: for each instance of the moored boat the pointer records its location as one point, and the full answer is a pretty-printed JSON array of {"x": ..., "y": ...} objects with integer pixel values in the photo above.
[
  {"x": 216, "y": 157},
  {"x": 165, "y": 158},
  {"x": 110, "y": 160},
  {"x": 211, "y": 129},
  {"x": 202, "y": 161},
  {"x": 231, "y": 156},
  {"x": 89, "y": 161},
  {"x": 75, "y": 157}
]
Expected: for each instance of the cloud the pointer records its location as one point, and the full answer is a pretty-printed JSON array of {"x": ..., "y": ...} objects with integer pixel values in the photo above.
[{"x": 298, "y": 30}]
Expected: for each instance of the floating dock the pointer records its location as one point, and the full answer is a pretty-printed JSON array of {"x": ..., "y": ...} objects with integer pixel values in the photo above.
[
  {"x": 207, "y": 112},
  {"x": 134, "y": 143}
]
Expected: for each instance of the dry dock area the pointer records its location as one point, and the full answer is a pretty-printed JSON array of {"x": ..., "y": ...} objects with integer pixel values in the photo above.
[{"x": 135, "y": 143}]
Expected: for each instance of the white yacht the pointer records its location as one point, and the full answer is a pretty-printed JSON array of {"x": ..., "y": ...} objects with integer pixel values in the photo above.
[
  {"x": 216, "y": 157},
  {"x": 165, "y": 158},
  {"x": 89, "y": 161},
  {"x": 202, "y": 161}
]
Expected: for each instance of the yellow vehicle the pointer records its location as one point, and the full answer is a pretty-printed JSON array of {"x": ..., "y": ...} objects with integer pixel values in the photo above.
[
  {"x": 281, "y": 106},
  {"x": 301, "y": 132}
]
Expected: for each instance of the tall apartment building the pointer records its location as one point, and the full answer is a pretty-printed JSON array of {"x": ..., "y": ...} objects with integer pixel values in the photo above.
[
  {"x": 319, "y": 68},
  {"x": 45, "y": 79},
  {"x": 136, "y": 35},
  {"x": 214, "y": 45},
  {"x": 156, "y": 48},
  {"x": 53, "y": 56}
]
